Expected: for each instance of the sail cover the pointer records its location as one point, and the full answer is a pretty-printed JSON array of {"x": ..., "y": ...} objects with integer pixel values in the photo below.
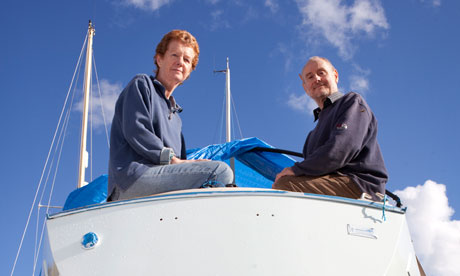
[{"x": 253, "y": 168}]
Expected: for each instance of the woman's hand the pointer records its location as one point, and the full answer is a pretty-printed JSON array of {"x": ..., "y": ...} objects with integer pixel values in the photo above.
[{"x": 176, "y": 160}]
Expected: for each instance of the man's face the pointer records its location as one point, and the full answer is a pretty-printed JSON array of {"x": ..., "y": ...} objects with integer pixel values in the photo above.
[
  {"x": 176, "y": 64},
  {"x": 319, "y": 79}
]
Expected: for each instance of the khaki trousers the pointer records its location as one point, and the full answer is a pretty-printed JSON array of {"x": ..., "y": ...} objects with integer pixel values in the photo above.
[{"x": 331, "y": 184}]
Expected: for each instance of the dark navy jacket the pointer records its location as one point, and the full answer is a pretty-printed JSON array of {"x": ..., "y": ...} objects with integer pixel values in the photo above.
[
  {"x": 145, "y": 126},
  {"x": 344, "y": 141}
]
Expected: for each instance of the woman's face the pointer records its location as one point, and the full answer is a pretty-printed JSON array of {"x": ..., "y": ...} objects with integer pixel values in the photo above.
[{"x": 176, "y": 64}]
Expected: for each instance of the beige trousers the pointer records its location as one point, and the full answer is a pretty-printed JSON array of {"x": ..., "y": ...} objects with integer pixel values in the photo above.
[{"x": 331, "y": 184}]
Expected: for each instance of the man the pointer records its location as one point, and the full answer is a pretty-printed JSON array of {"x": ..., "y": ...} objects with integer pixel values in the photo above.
[
  {"x": 147, "y": 148},
  {"x": 341, "y": 154}
]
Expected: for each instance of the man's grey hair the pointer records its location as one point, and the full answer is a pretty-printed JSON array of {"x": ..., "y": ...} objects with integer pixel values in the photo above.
[{"x": 323, "y": 59}]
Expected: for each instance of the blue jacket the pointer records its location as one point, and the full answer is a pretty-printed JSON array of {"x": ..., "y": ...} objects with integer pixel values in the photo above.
[
  {"x": 344, "y": 141},
  {"x": 146, "y": 128}
]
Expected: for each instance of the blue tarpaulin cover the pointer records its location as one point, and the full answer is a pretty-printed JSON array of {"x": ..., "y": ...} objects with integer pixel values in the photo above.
[
  {"x": 252, "y": 169},
  {"x": 94, "y": 192}
]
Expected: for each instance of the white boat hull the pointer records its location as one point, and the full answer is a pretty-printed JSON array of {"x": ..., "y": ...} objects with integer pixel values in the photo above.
[{"x": 232, "y": 232}]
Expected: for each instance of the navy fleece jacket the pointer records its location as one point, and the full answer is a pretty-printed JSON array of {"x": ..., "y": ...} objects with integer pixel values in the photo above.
[
  {"x": 146, "y": 127},
  {"x": 344, "y": 141}
]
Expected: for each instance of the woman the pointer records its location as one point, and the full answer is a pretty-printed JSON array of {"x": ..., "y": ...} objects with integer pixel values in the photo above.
[{"x": 147, "y": 149}]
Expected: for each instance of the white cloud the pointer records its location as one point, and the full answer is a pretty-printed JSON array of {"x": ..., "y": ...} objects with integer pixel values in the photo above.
[
  {"x": 107, "y": 99},
  {"x": 339, "y": 23},
  {"x": 151, "y": 5},
  {"x": 367, "y": 16},
  {"x": 436, "y": 236},
  {"x": 359, "y": 84},
  {"x": 218, "y": 21},
  {"x": 212, "y": 2},
  {"x": 359, "y": 79},
  {"x": 435, "y": 3},
  {"x": 302, "y": 103},
  {"x": 286, "y": 53},
  {"x": 272, "y": 5}
]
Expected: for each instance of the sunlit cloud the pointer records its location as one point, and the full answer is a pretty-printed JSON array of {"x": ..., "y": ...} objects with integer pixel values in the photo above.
[
  {"x": 212, "y": 2},
  {"x": 359, "y": 79},
  {"x": 435, "y": 3},
  {"x": 301, "y": 103},
  {"x": 359, "y": 84},
  {"x": 102, "y": 107},
  {"x": 151, "y": 5},
  {"x": 287, "y": 55},
  {"x": 272, "y": 5},
  {"x": 218, "y": 21},
  {"x": 435, "y": 234},
  {"x": 339, "y": 23}
]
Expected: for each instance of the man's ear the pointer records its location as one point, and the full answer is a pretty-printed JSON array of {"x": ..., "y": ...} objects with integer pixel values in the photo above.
[
  {"x": 336, "y": 74},
  {"x": 300, "y": 76}
]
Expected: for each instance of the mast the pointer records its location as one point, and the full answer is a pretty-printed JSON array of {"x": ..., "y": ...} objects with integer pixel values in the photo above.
[
  {"x": 83, "y": 164},
  {"x": 228, "y": 104},
  {"x": 228, "y": 116}
]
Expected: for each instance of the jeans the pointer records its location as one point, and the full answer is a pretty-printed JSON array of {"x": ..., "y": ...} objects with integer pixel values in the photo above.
[{"x": 165, "y": 178}]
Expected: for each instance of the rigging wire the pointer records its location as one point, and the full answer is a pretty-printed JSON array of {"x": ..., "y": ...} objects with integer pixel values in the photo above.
[
  {"x": 221, "y": 124},
  {"x": 64, "y": 129},
  {"x": 60, "y": 143},
  {"x": 100, "y": 100},
  {"x": 236, "y": 116},
  {"x": 222, "y": 121},
  {"x": 44, "y": 189},
  {"x": 46, "y": 163},
  {"x": 91, "y": 131}
]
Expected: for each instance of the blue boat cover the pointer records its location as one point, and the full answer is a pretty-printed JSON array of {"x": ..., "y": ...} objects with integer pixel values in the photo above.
[
  {"x": 252, "y": 169},
  {"x": 94, "y": 192}
]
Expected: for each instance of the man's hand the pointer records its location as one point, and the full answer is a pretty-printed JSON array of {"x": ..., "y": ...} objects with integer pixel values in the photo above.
[
  {"x": 176, "y": 160},
  {"x": 284, "y": 172}
]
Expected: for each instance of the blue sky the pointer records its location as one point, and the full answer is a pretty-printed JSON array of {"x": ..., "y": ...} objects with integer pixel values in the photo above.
[{"x": 401, "y": 55}]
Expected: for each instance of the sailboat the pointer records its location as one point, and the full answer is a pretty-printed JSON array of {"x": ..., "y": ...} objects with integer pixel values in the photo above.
[{"x": 246, "y": 230}]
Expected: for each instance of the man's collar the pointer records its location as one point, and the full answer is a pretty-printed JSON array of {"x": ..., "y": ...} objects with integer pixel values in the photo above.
[{"x": 329, "y": 101}]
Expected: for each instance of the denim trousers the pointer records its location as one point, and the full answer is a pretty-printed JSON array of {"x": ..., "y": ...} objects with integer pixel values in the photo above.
[{"x": 165, "y": 178}]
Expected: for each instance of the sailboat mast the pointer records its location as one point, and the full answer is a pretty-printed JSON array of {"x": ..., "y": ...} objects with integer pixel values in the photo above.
[
  {"x": 228, "y": 120},
  {"x": 83, "y": 164},
  {"x": 229, "y": 115},
  {"x": 228, "y": 104}
]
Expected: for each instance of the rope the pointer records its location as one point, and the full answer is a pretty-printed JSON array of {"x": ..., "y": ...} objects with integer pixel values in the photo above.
[
  {"x": 383, "y": 208},
  {"x": 46, "y": 164}
]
